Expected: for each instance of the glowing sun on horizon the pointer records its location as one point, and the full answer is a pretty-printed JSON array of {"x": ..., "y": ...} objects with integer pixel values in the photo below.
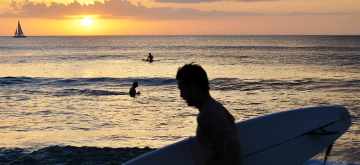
[{"x": 87, "y": 22}]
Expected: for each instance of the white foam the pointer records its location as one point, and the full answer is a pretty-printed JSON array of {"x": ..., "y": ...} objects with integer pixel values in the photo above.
[{"x": 320, "y": 162}]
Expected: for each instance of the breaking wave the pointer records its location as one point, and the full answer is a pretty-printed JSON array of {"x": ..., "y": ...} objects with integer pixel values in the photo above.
[{"x": 92, "y": 86}]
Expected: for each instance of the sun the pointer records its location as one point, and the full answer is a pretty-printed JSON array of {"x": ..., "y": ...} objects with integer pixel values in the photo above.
[{"x": 87, "y": 21}]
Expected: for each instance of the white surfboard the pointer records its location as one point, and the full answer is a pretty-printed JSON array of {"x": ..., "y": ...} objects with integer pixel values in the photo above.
[{"x": 283, "y": 138}]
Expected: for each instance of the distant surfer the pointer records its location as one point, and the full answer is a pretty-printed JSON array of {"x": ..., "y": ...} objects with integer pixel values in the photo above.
[
  {"x": 150, "y": 58},
  {"x": 216, "y": 130},
  {"x": 132, "y": 91}
]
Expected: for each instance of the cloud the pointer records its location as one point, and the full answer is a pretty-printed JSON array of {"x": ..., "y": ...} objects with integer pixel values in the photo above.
[
  {"x": 126, "y": 9},
  {"x": 206, "y": 1},
  {"x": 111, "y": 8},
  {"x": 185, "y": 1}
]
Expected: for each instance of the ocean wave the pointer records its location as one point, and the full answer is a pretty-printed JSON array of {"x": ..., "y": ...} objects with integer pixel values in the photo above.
[
  {"x": 300, "y": 85},
  {"x": 18, "y": 80},
  {"x": 264, "y": 47},
  {"x": 87, "y": 92},
  {"x": 157, "y": 81},
  {"x": 171, "y": 47},
  {"x": 78, "y": 57},
  {"x": 85, "y": 86}
]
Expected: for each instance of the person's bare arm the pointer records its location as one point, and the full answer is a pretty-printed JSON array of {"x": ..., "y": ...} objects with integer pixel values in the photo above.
[
  {"x": 226, "y": 143},
  {"x": 199, "y": 153}
]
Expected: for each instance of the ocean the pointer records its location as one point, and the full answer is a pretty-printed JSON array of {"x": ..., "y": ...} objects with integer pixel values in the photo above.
[{"x": 74, "y": 90}]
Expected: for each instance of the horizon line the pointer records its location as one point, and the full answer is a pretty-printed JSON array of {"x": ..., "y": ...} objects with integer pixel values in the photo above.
[{"x": 165, "y": 35}]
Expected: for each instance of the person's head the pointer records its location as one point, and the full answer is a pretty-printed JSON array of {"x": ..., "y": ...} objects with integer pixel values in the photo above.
[
  {"x": 193, "y": 84},
  {"x": 135, "y": 84}
]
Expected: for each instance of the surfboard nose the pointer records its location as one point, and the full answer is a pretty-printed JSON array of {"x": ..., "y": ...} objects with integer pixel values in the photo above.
[
  {"x": 343, "y": 122},
  {"x": 346, "y": 118},
  {"x": 338, "y": 125}
]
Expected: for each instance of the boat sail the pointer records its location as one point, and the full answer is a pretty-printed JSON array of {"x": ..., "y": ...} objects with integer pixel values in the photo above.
[{"x": 18, "y": 32}]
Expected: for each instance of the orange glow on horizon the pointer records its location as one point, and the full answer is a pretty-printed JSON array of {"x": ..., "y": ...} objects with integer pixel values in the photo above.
[
  {"x": 104, "y": 26},
  {"x": 148, "y": 17}
]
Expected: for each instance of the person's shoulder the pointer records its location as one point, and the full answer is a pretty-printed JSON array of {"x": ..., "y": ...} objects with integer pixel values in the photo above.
[
  {"x": 215, "y": 110},
  {"x": 221, "y": 113},
  {"x": 218, "y": 108},
  {"x": 219, "y": 105}
]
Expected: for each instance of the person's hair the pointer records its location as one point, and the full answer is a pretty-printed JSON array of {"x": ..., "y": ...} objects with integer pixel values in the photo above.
[{"x": 193, "y": 74}]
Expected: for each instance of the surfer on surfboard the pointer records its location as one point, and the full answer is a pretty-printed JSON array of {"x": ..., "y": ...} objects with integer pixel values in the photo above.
[
  {"x": 216, "y": 131},
  {"x": 150, "y": 58}
]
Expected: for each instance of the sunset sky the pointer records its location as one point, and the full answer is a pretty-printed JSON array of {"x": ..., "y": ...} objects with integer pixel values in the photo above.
[{"x": 177, "y": 17}]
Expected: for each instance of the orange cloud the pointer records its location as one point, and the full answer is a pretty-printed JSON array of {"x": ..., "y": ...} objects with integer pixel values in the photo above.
[
  {"x": 125, "y": 9},
  {"x": 204, "y": 1}
]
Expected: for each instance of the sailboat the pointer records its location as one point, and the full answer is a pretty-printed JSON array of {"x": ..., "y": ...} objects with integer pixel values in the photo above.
[{"x": 19, "y": 33}]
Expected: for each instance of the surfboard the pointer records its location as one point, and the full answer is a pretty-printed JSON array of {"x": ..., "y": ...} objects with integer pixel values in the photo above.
[
  {"x": 149, "y": 61},
  {"x": 284, "y": 138}
]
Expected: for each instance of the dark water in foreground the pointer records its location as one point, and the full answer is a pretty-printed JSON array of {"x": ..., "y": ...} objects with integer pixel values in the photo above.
[
  {"x": 73, "y": 90},
  {"x": 87, "y": 155}
]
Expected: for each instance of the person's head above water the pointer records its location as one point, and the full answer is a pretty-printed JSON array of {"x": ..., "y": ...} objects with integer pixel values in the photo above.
[
  {"x": 193, "y": 84},
  {"x": 135, "y": 84}
]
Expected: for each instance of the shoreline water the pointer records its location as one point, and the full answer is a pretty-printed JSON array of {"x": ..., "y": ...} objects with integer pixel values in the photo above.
[
  {"x": 63, "y": 155},
  {"x": 69, "y": 155}
]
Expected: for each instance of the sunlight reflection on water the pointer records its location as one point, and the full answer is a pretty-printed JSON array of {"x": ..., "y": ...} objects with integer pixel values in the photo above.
[{"x": 67, "y": 94}]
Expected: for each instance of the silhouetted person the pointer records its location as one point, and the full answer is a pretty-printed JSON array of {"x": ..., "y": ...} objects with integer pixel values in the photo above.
[
  {"x": 150, "y": 58},
  {"x": 216, "y": 130},
  {"x": 132, "y": 91}
]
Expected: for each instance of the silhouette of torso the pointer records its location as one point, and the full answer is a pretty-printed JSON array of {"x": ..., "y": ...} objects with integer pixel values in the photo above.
[
  {"x": 150, "y": 58},
  {"x": 217, "y": 134},
  {"x": 132, "y": 92}
]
